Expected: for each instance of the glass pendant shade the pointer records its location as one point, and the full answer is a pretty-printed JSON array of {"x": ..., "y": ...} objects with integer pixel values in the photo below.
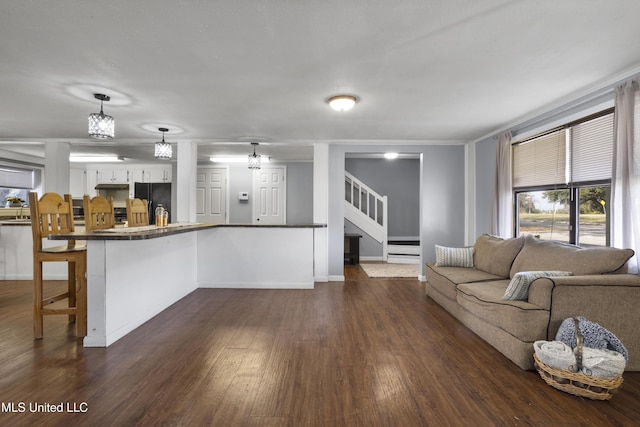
[
  {"x": 101, "y": 125},
  {"x": 254, "y": 159},
  {"x": 163, "y": 150}
]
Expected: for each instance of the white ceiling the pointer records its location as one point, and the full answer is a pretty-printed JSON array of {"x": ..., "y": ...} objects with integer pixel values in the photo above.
[{"x": 228, "y": 72}]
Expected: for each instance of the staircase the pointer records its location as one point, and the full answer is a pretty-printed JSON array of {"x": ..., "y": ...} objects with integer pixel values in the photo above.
[{"x": 366, "y": 209}]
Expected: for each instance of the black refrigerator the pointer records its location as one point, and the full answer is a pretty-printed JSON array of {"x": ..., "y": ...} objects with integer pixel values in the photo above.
[{"x": 155, "y": 193}]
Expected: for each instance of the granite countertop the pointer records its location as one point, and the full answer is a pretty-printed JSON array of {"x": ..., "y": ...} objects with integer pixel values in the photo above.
[
  {"x": 27, "y": 221},
  {"x": 152, "y": 232}
]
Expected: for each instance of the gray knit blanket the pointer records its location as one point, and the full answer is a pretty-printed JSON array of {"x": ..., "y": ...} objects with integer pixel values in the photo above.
[{"x": 593, "y": 335}]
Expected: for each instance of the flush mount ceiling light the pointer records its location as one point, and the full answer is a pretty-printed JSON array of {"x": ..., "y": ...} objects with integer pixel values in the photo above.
[
  {"x": 390, "y": 156},
  {"x": 101, "y": 126},
  {"x": 254, "y": 159},
  {"x": 163, "y": 149},
  {"x": 342, "y": 102}
]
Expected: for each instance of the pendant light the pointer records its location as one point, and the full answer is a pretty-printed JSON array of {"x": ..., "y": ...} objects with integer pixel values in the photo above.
[
  {"x": 163, "y": 149},
  {"x": 254, "y": 159},
  {"x": 101, "y": 126}
]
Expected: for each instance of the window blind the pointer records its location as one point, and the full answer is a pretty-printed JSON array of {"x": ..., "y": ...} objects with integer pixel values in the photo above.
[
  {"x": 16, "y": 178},
  {"x": 592, "y": 149},
  {"x": 540, "y": 161}
]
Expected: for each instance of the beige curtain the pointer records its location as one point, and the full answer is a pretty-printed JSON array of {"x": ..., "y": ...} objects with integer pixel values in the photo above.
[
  {"x": 502, "y": 193},
  {"x": 625, "y": 182}
]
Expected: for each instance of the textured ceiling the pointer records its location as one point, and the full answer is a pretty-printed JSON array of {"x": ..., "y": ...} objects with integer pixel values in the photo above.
[{"x": 228, "y": 72}]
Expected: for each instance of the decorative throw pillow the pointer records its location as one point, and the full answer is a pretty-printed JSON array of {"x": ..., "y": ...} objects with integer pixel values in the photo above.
[
  {"x": 518, "y": 289},
  {"x": 454, "y": 257},
  {"x": 495, "y": 255}
]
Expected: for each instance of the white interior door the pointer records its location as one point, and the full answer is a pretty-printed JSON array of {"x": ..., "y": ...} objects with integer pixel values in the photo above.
[
  {"x": 270, "y": 195},
  {"x": 211, "y": 195}
]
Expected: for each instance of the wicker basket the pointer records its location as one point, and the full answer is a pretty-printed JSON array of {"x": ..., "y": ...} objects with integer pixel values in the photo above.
[{"x": 576, "y": 383}]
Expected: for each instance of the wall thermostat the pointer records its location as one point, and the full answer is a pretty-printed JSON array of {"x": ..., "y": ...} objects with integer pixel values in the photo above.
[{"x": 243, "y": 195}]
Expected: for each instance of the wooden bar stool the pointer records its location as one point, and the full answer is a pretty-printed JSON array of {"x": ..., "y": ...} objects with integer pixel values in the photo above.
[
  {"x": 50, "y": 215},
  {"x": 137, "y": 212},
  {"x": 98, "y": 213}
]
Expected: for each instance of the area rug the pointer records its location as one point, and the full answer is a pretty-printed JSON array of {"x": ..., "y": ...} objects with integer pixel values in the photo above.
[{"x": 391, "y": 270}]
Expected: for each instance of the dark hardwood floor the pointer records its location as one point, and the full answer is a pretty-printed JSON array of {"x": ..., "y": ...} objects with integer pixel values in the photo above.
[{"x": 364, "y": 352}]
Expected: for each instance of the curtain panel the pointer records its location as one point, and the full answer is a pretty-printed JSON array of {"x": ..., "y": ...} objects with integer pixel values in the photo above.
[
  {"x": 502, "y": 218},
  {"x": 625, "y": 183}
]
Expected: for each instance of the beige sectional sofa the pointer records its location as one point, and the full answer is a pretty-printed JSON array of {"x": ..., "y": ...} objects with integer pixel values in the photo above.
[{"x": 598, "y": 289}]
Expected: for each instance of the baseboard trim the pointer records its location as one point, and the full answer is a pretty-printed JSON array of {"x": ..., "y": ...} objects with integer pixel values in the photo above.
[{"x": 371, "y": 258}]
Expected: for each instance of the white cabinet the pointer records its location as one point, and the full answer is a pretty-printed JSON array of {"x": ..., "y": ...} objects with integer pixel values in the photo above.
[
  {"x": 112, "y": 176},
  {"x": 78, "y": 183},
  {"x": 151, "y": 174},
  {"x": 162, "y": 174},
  {"x": 137, "y": 175},
  {"x": 85, "y": 181}
]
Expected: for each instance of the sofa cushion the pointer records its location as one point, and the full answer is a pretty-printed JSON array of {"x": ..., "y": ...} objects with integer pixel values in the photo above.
[
  {"x": 527, "y": 322},
  {"x": 454, "y": 257},
  {"x": 495, "y": 255},
  {"x": 539, "y": 254},
  {"x": 518, "y": 289},
  {"x": 445, "y": 279}
]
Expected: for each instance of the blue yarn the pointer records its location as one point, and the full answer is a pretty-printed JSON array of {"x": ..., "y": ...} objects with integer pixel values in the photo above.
[{"x": 593, "y": 335}]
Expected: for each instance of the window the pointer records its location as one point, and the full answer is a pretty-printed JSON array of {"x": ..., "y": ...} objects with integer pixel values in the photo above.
[
  {"x": 561, "y": 181},
  {"x": 15, "y": 184}
]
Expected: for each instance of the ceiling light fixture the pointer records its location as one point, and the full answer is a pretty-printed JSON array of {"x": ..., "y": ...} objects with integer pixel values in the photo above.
[
  {"x": 342, "y": 102},
  {"x": 101, "y": 126},
  {"x": 254, "y": 159},
  {"x": 163, "y": 149},
  {"x": 390, "y": 156}
]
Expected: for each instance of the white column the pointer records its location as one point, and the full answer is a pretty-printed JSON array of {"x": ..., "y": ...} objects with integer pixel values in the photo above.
[
  {"x": 56, "y": 167},
  {"x": 321, "y": 210},
  {"x": 184, "y": 186}
]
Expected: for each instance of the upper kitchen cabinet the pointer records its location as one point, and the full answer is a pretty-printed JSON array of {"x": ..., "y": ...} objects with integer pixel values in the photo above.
[
  {"x": 112, "y": 176},
  {"x": 161, "y": 174},
  {"x": 151, "y": 174}
]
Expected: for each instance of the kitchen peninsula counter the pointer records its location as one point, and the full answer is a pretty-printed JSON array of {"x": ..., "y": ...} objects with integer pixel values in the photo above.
[
  {"x": 153, "y": 232},
  {"x": 134, "y": 275}
]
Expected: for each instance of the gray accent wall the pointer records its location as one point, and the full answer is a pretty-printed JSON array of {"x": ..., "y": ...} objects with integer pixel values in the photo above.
[
  {"x": 299, "y": 192},
  {"x": 240, "y": 179},
  {"x": 484, "y": 185},
  {"x": 369, "y": 247}
]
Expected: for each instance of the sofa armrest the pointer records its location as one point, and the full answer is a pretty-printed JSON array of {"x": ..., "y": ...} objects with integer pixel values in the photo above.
[{"x": 540, "y": 291}]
